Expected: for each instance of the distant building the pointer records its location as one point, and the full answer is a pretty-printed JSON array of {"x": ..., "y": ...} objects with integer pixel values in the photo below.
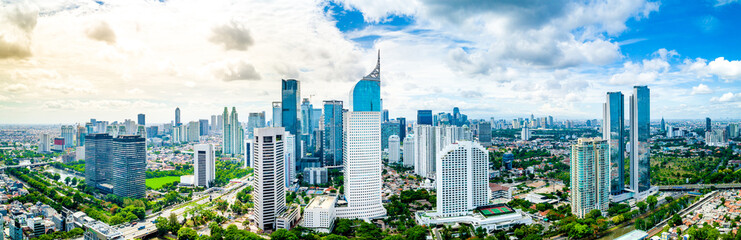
[
  {"x": 708, "y": 125},
  {"x": 128, "y": 166},
  {"x": 194, "y": 131},
  {"x": 277, "y": 110},
  {"x": 269, "y": 193},
  {"x": 316, "y": 176},
  {"x": 233, "y": 133},
  {"x": 140, "y": 119},
  {"x": 204, "y": 167},
  {"x": 44, "y": 143},
  {"x": 507, "y": 160},
  {"x": 394, "y": 148},
  {"x": 525, "y": 135},
  {"x": 289, "y": 158},
  {"x": 424, "y": 117},
  {"x": 101, "y": 231},
  {"x": 177, "y": 117},
  {"x": 590, "y": 176},
  {"x": 332, "y": 139},
  {"x": 203, "y": 124},
  {"x": 291, "y": 99},
  {"x": 484, "y": 133},
  {"x": 409, "y": 151},
  {"x": 424, "y": 150},
  {"x": 68, "y": 133}
]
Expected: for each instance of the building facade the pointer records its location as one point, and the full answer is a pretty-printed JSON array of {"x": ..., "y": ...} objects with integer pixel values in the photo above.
[
  {"x": 98, "y": 156},
  {"x": 332, "y": 145},
  {"x": 612, "y": 131},
  {"x": 291, "y": 98},
  {"x": 394, "y": 148},
  {"x": 204, "y": 167},
  {"x": 640, "y": 132},
  {"x": 408, "y": 151},
  {"x": 269, "y": 193},
  {"x": 590, "y": 176},
  {"x": 129, "y": 165},
  {"x": 462, "y": 178}
]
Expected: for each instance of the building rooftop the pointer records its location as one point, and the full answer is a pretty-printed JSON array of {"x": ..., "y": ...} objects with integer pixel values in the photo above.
[
  {"x": 633, "y": 235},
  {"x": 497, "y": 187},
  {"x": 322, "y": 202}
]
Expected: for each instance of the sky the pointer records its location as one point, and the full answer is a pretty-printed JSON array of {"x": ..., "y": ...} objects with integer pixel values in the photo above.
[{"x": 65, "y": 61}]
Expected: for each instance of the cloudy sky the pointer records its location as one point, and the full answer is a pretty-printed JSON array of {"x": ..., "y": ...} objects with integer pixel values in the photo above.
[{"x": 68, "y": 61}]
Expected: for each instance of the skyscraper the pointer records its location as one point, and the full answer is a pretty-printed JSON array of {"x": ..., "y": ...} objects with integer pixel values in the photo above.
[
  {"x": 394, "y": 148},
  {"x": 332, "y": 146},
  {"x": 507, "y": 160},
  {"x": 663, "y": 125},
  {"x": 128, "y": 166},
  {"x": 214, "y": 127},
  {"x": 612, "y": 133},
  {"x": 462, "y": 178},
  {"x": 590, "y": 180},
  {"x": 424, "y": 117},
  {"x": 204, "y": 167},
  {"x": 68, "y": 133},
  {"x": 44, "y": 144},
  {"x": 277, "y": 116},
  {"x": 362, "y": 150},
  {"x": 291, "y": 98},
  {"x": 255, "y": 120},
  {"x": 456, "y": 117},
  {"x": 177, "y": 116},
  {"x": 140, "y": 119},
  {"x": 424, "y": 150},
  {"x": 385, "y": 115},
  {"x": 203, "y": 124},
  {"x": 388, "y": 128},
  {"x": 708, "y": 125},
  {"x": 640, "y": 164},
  {"x": 194, "y": 131},
  {"x": 289, "y": 158},
  {"x": 269, "y": 194},
  {"x": 233, "y": 133},
  {"x": 409, "y": 151},
  {"x": 81, "y": 132},
  {"x": 402, "y": 126},
  {"x": 98, "y": 154},
  {"x": 484, "y": 133}
]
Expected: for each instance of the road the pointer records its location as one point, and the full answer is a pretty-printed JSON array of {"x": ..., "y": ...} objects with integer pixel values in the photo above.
[
  {"x": 687, "y": 187},
  {"x": 656, "y": 229},
  {"x": 133, "y": 231}
]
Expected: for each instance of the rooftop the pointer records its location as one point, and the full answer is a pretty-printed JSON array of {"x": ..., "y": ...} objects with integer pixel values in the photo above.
[{"x": 322, "y": 202}]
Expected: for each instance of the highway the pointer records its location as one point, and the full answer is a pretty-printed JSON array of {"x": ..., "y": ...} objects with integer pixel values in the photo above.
[{"x": 688, "y": 187}]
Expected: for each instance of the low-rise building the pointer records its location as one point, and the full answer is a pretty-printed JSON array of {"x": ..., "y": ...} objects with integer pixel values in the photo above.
[
  {"x": 319, "y": 215},
  {"x": 491, "y": 217},
  {"x": 98, "y": 230}
]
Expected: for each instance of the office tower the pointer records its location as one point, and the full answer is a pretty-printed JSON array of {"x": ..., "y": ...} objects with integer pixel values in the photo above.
[
  {"x": 708, "y": 125},
  {"x": 269, "y": 193},
  {"x": 409, "y": 151},
  {"x": 640, "y": 115},
  {"x": 233, "y": 133},
  {"x": 128, "y": 166},
  {"x": 177, "y": 116},
  {"x": 332, "y": 146},
  {"x": 44, "y": 146},
  {"x": 122, "y": 130},
  {"x": 612, "y": 132},
  {"x": 402, "y": 126},
  {"x": 316, "y": 120},
  {"x": 424, "y": 117},
  {"x": 98, "y": 155},
  {"x": 385, "y": 115},
  {"x": 663, "y": 125},
  {"x": 484, "y": 132},
  {"x": 220, "y": 122},
  {"x": 424, "y": 150},
  {"x": 291, "y": 116},
  {"x": 130, "y": 127},
  {"x": 277, "y": 116},
  {"x": 194, "y": 131},
  {"x": 141, "y": 131},
  {"x": 213, "y": 123},
  {"x": 590, "y": 180},
  {"x": 203, "y": 125},
  {"x": 204, "y": 167},
  {"x": 315, "y": 175},
  {"x": 68, "y": 133},
  {"x": 394, "y": 148},
  {"x": 525, "y": 135},
  {"x": 733, "y": 130},
  {"x": 462, "y": 178},
  {"x": 80, "y": 135},
  {"x": 362, "y": 150},
  {"x": 550, "y": 122},
  {"x": 387, "y": 129},
  {"x": 306, "y": 127},
  {"x": 247, "y": 153},
  {"x": 289, "y": 159},
  {"x": 507, "y": 160},
  {"x": 255, "y": 120},
  {"x": 456, "y": 117},
  {"x": 140, "y": 119},
  {"x": 152, "y": 131}
]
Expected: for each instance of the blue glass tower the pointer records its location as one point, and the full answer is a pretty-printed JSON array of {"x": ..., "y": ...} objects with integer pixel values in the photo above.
[
  {"x": 291, "y": 98},
  {"x": 640, "y": 164},
  {"x": 612, "y": 131},
  {"x": 365, "y": 96},
  {"x": 424, "y": 117},
  {"x": 332, "y": 140}
]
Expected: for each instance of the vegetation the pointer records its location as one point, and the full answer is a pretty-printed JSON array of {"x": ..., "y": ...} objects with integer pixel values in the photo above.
[
  {"x": 74, "y": 233},
  {"x": 157, "y": 183},
  {"x": 227, "y": 170}
]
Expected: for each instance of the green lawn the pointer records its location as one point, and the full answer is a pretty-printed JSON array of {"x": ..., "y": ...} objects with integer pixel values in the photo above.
[{"x": 156, "y": 183}]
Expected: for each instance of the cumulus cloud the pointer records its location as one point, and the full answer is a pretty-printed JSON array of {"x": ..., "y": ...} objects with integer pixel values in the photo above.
[
  {"x": 101, "y": 31},
  {"x": 9, "y": 49},
  {"x": 24, "y": 17},
  {"x": 235, "y": 70},
  {"x": 233, "y": 35},
  {"x": 728, "y": 97},
  {"x": 18, "y": 87},
  {"x": 720, "y": 3},
  {"x": 728, "y": 70},
  {"x": 15, "y": 43},
  {"x": 701, "y": 89}
]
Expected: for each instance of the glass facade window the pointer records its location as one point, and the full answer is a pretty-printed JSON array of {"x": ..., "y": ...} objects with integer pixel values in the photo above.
[
  {"x": 424, "y": 117},
  {"x": 640, "y": 165},
  {"x": 613, "y": 132},
  {"x": 366, "y": 96}
]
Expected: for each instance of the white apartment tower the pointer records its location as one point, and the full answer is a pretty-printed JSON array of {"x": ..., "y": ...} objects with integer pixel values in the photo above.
[
  {"x": 269, "y": 195},
  {"x": 462, "y": 180},
  {"x": 424, "y": 150},
  {"x": 289, "y": 158},
  {"x": 204, "y": 167},
  {"x": 409, "y": 151},
  {"x": 394, "y": 148},
  {"x": 590, "y": 176},
  {"x": 44, "y": 144}
]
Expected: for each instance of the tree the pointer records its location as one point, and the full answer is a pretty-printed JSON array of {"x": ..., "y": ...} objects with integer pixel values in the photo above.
[
  {"x": 652, "y": 201},
  {"x": 187, "y": 234},
  {"x": 162, "y": 225},
  {"x": 642, "y": 206},
  {"x": 334, "y": 237},
  {"x": 419, "y": 233},
  {"x": 282, "y": 234},
  {"x": 174, "y": 224},
  {"x": 344, "y": 227},
  {"x": 216, "y": 230}
]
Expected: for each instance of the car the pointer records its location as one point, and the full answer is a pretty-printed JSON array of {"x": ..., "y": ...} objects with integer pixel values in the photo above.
[{"x": 141, "y": 227}]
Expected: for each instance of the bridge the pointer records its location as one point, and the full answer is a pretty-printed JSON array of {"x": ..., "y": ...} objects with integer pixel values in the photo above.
[
  {"x": 24, "y": 165},
  {"x": 694, "y": 187}
]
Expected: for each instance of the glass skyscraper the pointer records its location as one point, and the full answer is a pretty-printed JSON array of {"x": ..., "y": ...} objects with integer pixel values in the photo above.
[
  {"x": 365, "y": 96},
  {"x": 332, "y": 145},
  {"x": 128, "y": 165},
  {"x": 424, "y": 117},
  {"x": 612, "y": 132},
  {"x": 291, "y": 98},
  {"x": 640, "y": 115}
]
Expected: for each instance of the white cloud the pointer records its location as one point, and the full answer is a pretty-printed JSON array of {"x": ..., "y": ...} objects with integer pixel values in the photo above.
[
  {"x": 101, "y": 31},
  {"x": 701, "y": 89},
  {"x": 728, "y": 70},
  {"x": 728, "y": 97},
  {"x": 234, "y": 36},
  {"x": 17, "y": 87}
]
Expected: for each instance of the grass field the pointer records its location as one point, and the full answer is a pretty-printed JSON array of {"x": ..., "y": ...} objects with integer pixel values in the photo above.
[{"x": 156, "y": 183}]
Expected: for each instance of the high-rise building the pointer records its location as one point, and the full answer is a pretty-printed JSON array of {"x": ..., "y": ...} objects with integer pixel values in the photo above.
[
  {"x": 640, "y": 163},
  {"x": 213, "y": 126},
  {"x": 289, "y": 158},
  {"x": 81, "y": 132},
  {"x": 507, "y": 160},
  {"x": 291, "y": 116},
  {"x": 277, "y": 116},
  {"x": 385, "y": 115},
  {"x": 203, "y": 125},
  {"x": 68, "y": 133},
  {"x": 233, "y": 133},
  {"x": 177, "y": 116},
  {"x": 590, "y": 180},
  {"x": 424, "y": 117},
  {"x": 462, "y": 178},
  {"x": 402, "y": 126},
  {"x": 663, "y": 125},
  {"x": 204, "y": 167},
  {"x": 98, "y": 156},
  {"x": 424, "y": 150},
  {"x": 332, "y": 145},
  {"x": 525, "y": 135},
  {"x": 307, "y": 110},
  {"x": 140, "y": 119},
  {"x": 484, "y": 132},
  {"x": 394, "y": 148},
  {"x": 362, "y": 150},
  {"x": 612, "y": 132},
  {"x": 269, "y": 193},
  {"x": 128, "y": 166},
  {"x": 44, "y": 143},
  {"x": 220, "y": 122},
  {"x": 708, "y": 125},
  {"x": 409, "y": 151},
  {"x": 194, "y": 131},
  {"x": 388, "y": 129},
  {"x": 255, "y": 120}
]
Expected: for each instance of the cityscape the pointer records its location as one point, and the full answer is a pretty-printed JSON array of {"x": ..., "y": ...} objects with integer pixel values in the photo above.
[{"x": 539, "y": 120}]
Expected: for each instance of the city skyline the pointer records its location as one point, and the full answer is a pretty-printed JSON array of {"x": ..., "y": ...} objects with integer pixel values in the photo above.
[{"x": 549, "y": 66}]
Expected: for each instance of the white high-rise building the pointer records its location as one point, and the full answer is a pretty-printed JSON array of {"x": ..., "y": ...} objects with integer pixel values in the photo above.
[
  {"x": 68, "y": 133},
  {"x": 44, "y": 143},
  {"x": 424, "y": 150},
  {"x": 194, "y": 131},
  {"x": 233, "y": 133},
  {"x": 590, "y": 176},
  {"x": 289, "y": 158},
  {"x": 525, "y": 135},
  {"x": 362, "y": 164},
  {"x": 204, "y": 167},
  {"x": 409, "y": 151},
  {"x": 462, "y": 178},
  {"x": 394, "y": 148},
  {"x": 277, "y": 114},
  {"x": 269, "y": 194}
]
